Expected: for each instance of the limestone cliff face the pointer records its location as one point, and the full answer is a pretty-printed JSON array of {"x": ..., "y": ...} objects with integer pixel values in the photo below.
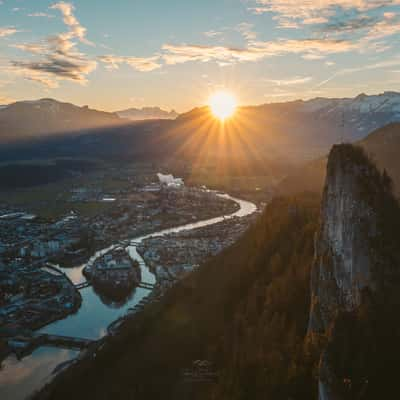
[
  {"x": 344, "y": 257},
  {"x": 346, "y": 260}
]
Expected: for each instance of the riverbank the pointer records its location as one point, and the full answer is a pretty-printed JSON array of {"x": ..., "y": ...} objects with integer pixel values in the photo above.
[{"x": 94, "y": 316}]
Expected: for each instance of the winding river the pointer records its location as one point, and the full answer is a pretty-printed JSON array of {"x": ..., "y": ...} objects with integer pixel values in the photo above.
[{"x": 19, "y": 379}]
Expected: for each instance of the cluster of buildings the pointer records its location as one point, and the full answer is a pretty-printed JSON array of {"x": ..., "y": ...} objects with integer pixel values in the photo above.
[
  {"x": 141, "y": 211},
  {"x": 33, "y": 297},
  {"x": 33, "y": 238},
  {"x": 114, "y": 272},
  {"x": 172, "y": 256}
]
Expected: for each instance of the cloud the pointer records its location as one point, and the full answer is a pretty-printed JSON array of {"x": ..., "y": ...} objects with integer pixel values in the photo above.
[
  {"x": 374, "y": 28},
  {"x": 297, "y": 80},
  {"x": 8, "y": 31},
  {"x": 57, "y": 58},
  {"x": 314, "y": 12},
  {"x": 72, "y": 67},
  {"x": 246, "y": 29},
  {"x": 41, "y": 14},
  {"x": 142, "y": 64},
  {"x": 34, "y": 48},
  {"x": 178, "y": 54},
  {"x": 212, "y": 33},
  {"x": 257, "y": 50},
  {"x": 76, "y": 29},
  {"x": 388, "y": 26},
  {"x": 347, "y": 71},
  {"x": 313, "y": 56},
  {"x": 350, "y": 25},
  {"x": 307, "y": 47}
]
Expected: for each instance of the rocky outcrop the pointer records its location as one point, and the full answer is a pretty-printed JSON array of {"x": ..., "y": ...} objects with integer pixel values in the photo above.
[{"x": 351, "y": 254}]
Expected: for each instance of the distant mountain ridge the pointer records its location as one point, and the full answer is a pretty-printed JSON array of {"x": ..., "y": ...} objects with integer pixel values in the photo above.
[
  {"x": 147, "y": 113},
  {"x": 383, "y": 145},
  {"x": 364, "y": 113},
  {"x": 291, "y": 132},
  {"x": 32, "y": 119},
  {"x": 301, "y": 130}
]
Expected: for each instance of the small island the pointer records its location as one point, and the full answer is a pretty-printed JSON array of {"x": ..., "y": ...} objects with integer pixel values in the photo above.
[{"x": 114, "y": 274}]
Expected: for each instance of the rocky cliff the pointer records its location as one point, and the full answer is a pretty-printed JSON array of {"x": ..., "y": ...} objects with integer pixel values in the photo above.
[{"x": 355, "y": 267}]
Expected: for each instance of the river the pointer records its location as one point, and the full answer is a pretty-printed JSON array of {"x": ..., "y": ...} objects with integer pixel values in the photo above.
[{"x": 19, "y": 379}]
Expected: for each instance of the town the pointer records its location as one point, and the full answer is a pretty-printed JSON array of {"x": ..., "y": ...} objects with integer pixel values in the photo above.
[{"x": 34, "y": 249}]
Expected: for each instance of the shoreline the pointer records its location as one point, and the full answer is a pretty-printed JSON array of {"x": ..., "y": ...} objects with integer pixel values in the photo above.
[{"x": 149, "y": 296}]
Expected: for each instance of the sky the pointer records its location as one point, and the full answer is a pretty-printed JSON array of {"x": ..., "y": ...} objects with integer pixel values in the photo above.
[{"x": 112, "y": 55}]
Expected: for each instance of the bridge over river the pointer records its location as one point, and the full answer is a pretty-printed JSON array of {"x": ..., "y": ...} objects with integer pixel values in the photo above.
[{"x": 24, "y": 344}]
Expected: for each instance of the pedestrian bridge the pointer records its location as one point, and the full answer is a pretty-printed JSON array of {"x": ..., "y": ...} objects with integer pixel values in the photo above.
[{"x": 145, "y": 285}]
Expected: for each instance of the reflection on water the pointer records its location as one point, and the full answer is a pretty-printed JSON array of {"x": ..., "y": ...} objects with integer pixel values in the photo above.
[
  {"x": 94, "y": 316},
  {"x": 33, "y": 372},
  {"x": 18, "y": 379},
  {"x": 114, "y": 298}
]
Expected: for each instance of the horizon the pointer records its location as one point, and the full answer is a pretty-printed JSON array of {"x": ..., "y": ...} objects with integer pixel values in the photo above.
[
  {"x": 264, "y": 51},
  {"x": 200, "y": 106}
]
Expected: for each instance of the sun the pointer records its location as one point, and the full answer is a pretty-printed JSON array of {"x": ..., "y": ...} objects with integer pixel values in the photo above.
[{"x": 223, "y": 104}]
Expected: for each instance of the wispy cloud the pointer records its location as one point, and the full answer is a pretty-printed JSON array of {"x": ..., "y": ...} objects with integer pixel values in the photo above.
[
  {"x": 247, "y": 30},
  {"x": 373, "y": 66},
  {"x": 142, "y": 64},
  {"x": 314, "y": 12},
  {"x": 41, "y": 14},
  {"x": 76, "y": 29},
  {"x": 349, "y": 25},
  {"x": 257, "y": 50},
  {"x": 212, "y": 33},
  {"x": 388, "y": 26},
  {"x": 297, "y": 80},
  {"x": 8, "y": 31},
  {"x": 57, "y": 57},
  {"x": 178, "y": 54}
]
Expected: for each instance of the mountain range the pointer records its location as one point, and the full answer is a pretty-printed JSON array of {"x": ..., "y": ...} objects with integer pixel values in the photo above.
[
  {"x": 136, "y": 114},
  {"x": 47, "y": 117},
  {"x": 294, "y": 131},
  {"x": 272, "y": 141}
]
